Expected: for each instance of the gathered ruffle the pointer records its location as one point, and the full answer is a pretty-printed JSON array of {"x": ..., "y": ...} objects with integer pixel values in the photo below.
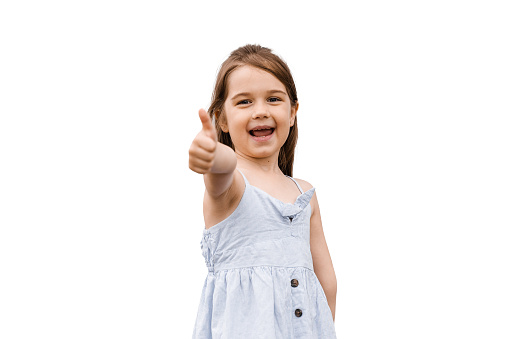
[
  {"x": 206, "y": 250},
  {"x": 253, "y": 302},
  {"x": 291, "y": 210}
]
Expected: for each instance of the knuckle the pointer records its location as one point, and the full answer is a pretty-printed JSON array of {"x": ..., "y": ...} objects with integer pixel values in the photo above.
[
  {"x": 195, "y": 145},
  {"x": 193, "y": 153}
]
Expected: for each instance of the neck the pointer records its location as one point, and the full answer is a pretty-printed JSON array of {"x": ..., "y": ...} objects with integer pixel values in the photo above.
[{"x": 267, "y": 165}]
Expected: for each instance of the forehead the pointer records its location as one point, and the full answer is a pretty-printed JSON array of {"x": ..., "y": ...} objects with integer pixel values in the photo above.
[{"x": 250, "y": 79}]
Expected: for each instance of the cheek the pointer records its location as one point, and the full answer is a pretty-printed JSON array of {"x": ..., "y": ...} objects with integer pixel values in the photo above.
[{"x": 236, "y": 127}]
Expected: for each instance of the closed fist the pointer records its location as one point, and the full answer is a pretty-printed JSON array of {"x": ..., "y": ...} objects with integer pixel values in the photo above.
[{"x": 203, "y": 148}]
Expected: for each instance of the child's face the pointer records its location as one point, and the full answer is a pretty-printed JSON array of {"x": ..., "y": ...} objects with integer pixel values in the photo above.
[{"x": 257, "y": 99}]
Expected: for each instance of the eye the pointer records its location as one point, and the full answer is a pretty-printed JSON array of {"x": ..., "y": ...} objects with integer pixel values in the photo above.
[
  {"x": 243, "y": 102},
  {"x": 273, "y": 99}
]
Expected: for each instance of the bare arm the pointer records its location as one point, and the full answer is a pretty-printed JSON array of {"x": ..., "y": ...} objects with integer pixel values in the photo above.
[
  {"x": 220, "y": 177},
  {"x": 322, "y": 261}
]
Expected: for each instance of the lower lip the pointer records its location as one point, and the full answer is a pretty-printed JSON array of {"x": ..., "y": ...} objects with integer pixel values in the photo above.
[{"x": 262, "y": 139}]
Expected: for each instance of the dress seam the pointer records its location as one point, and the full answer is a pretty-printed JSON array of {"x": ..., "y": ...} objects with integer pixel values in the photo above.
[{"x": 257, "y": 266}]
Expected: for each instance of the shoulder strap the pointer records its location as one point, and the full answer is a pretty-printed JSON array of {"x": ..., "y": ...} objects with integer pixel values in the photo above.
[
  {"x": 245, "y": 179},
  {"x": 296, "y": 183}
]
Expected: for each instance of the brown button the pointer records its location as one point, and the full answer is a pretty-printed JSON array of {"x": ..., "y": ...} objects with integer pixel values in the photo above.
[
  {"x": 298, "y": 312},
  {"x": 294, "y": 283}
]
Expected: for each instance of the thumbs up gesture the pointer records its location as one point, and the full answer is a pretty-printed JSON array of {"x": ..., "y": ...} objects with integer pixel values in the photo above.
[{"x": 203, "y": 148}]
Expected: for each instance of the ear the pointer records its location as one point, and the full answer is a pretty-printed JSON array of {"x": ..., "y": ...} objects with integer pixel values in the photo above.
[
  {"x": 293, "y": 113},
  {"x": 221, "y": 120}
]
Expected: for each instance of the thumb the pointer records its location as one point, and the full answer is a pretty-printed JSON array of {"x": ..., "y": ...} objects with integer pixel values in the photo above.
[{"x": 207, "y": 126}]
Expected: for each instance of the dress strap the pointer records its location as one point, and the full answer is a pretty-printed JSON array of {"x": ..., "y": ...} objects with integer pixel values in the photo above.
[
  {"x": 296, "y": 183},
  {"x": 245, "y": 179}
]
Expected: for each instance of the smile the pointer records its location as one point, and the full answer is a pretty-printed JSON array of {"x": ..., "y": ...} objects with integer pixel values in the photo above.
[{"x": 261, "y": 134}]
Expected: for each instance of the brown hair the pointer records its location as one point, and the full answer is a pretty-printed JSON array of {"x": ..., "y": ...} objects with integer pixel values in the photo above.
[{"x": 263, "y": 58}]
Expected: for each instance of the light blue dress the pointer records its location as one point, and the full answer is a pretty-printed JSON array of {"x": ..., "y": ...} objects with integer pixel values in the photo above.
[{"x": 260, "y": 281}]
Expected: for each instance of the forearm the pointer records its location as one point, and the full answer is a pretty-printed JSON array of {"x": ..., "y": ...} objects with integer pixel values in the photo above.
[
  {"x": 330, "y": 293},
  {"x": 225, "y": 160},
  {"x": 329, "y": 284},
  {"x": 220, "y": 176}
]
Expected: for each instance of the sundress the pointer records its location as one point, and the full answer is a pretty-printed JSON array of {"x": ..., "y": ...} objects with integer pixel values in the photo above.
[{"x": 260, "y": 281}]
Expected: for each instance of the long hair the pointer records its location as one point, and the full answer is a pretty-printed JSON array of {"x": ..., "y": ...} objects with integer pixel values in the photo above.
[{"x": 263, "y": 58}]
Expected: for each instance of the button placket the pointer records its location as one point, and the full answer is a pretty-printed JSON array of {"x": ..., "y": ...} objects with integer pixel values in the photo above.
[
  {"x": 297, "y": 293},
  {"x": 295, "y": 230}
]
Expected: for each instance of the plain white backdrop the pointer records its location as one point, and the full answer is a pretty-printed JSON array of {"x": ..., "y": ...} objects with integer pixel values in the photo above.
[{"x": 403, "y": 126}]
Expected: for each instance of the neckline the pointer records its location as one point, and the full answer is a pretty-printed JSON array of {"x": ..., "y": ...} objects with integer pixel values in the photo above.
[
  {"x": 270, "y": 196},
  {"x": 274, "y": 198}
]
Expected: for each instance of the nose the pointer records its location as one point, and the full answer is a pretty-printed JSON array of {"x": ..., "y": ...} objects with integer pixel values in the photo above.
[{"x": 260, "y": 111}]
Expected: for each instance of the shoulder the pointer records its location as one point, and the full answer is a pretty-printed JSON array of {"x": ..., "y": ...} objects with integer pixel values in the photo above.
[
  {"x": 304, "y": 184},
  {"x": 315, "y": 208}
]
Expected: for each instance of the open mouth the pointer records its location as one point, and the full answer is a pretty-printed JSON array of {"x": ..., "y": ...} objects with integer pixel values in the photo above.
[{"x": 261, "y": 132}]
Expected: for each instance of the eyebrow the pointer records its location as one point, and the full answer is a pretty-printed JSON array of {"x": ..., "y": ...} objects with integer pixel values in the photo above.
[{"x": 247, "y": 93}]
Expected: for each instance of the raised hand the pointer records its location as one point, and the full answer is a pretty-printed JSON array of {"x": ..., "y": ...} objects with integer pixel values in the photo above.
[{"x": 203, "y": 148}]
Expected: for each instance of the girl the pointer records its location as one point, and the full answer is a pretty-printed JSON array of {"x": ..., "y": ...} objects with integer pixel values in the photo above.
[{"x": 270, "y": 272}]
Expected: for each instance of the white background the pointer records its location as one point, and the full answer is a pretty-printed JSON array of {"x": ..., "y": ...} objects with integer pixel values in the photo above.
[{"x": 403, "y": 126}]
